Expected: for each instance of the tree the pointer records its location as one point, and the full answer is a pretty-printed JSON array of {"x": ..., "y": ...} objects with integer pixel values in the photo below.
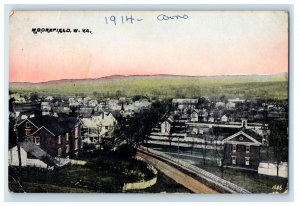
[
  {"x": 34, "y": 96},
  {"x": 279, "y": 140},
  {"x": 220, "y": 151}
]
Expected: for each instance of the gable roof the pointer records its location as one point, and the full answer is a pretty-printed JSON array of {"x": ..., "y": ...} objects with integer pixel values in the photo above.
[
  {"x": 227, "y": 133},
  {"x": 56, "y": 125},
  {"x": 37, "y": 152},
  {"x": 28, "y": 121},
  {"x": 253, "y": 139},
  {"x": 104, "y": 119}
]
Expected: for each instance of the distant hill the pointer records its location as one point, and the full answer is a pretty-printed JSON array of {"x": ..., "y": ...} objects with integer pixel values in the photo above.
[{"x": 164, "y": 85}]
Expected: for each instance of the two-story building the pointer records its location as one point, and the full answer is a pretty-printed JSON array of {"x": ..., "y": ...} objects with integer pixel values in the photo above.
[
  {"x": 59, "y": 137},
  {"x": 96, "y": 128}
]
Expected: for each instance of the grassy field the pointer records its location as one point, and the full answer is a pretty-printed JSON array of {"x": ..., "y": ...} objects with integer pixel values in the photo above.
[
  {"x": 104, "y": 174},
  {"x": 269, "y": 87},
  {"x": 249, "y": 180}
]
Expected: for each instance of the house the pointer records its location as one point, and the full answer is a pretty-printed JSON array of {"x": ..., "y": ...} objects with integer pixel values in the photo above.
[
  {"x": 46, "y": 108},
  {"x": 61, "y": 110},
  {"x": 236, "y": 100},
  {"x": 242, "y": 148},
  {"x": 95, "y": 128},
  {"x": 86, "y": 111},
  {"x": 31, "y": 155},
  {"x": 17, "y": 97},
  {"x": 224, "y": 118},
  {"x": 194, "y": 116},
  {"x": 220, "y": 105},
  {"x": 211, "y": 119},
  {"x": 49, "y": 98},
  {"x": 230, "y": 105},
  {"x": 59, "y": 137},
  {"x": 73, "y": 102},
  {"x": 93, "y": 103},
  {"x": 184, "y": 103},
  {"x": 165, "y": 126}
]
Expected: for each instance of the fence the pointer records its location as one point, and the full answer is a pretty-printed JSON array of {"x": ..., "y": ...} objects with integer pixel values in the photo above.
[
  {"x": 207, "y": 177},
  {"x": 142, "y": 184}
]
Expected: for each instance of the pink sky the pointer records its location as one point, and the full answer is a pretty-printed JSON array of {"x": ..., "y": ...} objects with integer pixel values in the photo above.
[{"x": 207, "y": 43}]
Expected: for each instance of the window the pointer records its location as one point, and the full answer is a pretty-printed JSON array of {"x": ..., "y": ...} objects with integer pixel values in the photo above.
[
  {"x": 247, "y": 160},
  {"x": 106, "y": 127},
  {"x": 37, "y": 140},
  {"x": 76, "y": 132},
  {"x": 233, "y": 158},
  {"x": 67, "y": 136},
  {"x": 67, "y": 148},
  {"x": 27, "y": 125},
  {"x": 247, "y": 149},
  {"x": 27, "y": 131},
  {"x": 241, "y": 138},
  {"x": 59, "y": 152},
  {"x": 59, "y": 140},
  {"x": 76, "y": 144},
  {"x": 234, "y": 148}
]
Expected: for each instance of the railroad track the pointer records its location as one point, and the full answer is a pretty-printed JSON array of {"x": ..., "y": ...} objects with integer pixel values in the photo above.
[
  {"x": 208, "y": 179},
  {"x": 180, "y": 177}
]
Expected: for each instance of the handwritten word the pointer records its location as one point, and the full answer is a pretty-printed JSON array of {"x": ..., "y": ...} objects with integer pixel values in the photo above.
[
  {"x": 59, "y": 30},
  {"x": 163, "y": 17},
  {"x": 121, "y": 20},
  {"x": 277, "y": 187}
]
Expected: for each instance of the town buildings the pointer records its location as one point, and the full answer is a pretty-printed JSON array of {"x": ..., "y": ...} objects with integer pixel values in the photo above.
[
  {"x": 59, "y": 137},
  {"x": 97, "y": 128}
]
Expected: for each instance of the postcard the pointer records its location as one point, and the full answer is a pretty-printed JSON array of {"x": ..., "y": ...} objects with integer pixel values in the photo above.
[{"x": 148, "y": 102}]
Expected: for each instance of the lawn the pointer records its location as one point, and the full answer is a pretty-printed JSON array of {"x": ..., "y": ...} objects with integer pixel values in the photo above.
[
  {"x": 104, "y": 173},
  {"x": 249, "y": 180}
]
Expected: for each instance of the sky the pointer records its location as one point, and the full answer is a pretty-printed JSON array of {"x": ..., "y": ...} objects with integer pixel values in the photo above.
[{"x": 203, "y": 43}]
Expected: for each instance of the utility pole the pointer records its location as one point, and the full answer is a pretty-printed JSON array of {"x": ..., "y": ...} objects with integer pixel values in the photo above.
[
  {"x": 204, "y": 149},
  {"x": 14, "y": 122},
  {"x": 178, "y": 149}
]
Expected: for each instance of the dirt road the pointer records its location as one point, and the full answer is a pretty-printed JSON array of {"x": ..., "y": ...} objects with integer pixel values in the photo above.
[{"x": 180, "y": 177}]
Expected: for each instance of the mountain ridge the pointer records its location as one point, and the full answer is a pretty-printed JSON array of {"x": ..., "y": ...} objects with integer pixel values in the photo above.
[{"x": 128, "y": 77}]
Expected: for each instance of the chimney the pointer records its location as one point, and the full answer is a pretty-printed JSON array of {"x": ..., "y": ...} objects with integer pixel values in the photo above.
[{"x": 244, "y": 123}]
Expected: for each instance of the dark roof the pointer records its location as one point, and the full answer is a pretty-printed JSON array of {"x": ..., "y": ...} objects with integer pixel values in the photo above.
[
  {"x": 56, "y": 125},
  {"x": 253, "y": 134},
  {"x": 37, "y": 152},
  {"x": 224, "y": 132},
  {"x": 33, "y": 149}
]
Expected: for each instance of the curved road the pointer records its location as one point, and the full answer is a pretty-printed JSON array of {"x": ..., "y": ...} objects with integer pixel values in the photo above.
[{"x": 187, "y": 181}]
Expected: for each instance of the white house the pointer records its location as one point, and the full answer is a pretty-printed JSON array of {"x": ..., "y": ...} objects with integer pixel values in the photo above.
[
  {"x": 18, "y": 98},
  {"x": 45, "y": 106},
  {"x": 13, "y": 157},
  {"x": 211, "y": 119},
  {"x": 220, "y": 104},
  {"x": 185, "y": 103},
  {"x": 31, "y": 156},
  {"x": 165, "y": 127},
  {"x": 93, "y": 103},
  {"x": 230, "y": 105},
  {"x": 224, "y": 118},
  {"x": 49, "y": 98},
  {"x": 194, "y": 116},
  {"x": 73, "y": 102},
  {"x": 237, "y": 100},
  {"x": 96, "y": 128}
]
